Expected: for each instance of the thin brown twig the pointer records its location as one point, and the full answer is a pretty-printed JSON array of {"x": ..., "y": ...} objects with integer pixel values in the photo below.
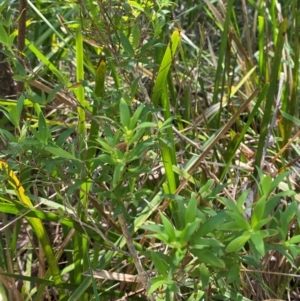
[{"x": 142, "y": 273}]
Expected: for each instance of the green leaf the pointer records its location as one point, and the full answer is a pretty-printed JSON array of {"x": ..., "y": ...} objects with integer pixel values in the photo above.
[
  {"x": 117, "y": 174},
  {"x": 134, "y": 87},
  {"x": 241, "y": 200},
  {"x": 4, "y": 37},
  {"x": 106, "y": 147},
  {"x": 164, "y": 68},
  {"x": 232, "y": 226},
  {"x": 206, "y": 187},
  {"x": 126, "y": 44},
  {"x": 208, "y": 257},
  {"x": 134, "y": 119},
  {"x": 280, "y": 178},
  {"x": 106, "y": 159},
  {"x": 258, "y": 242},
  {"x": 124, "y": 114},
  {"x": 294, "y": 240},
  {"x": 3, "y": 5},
  {"x": 290, "y": 211},
  {"x": 160, "y": 264},
  {"x": 168, "y": 163},
  {"x": 211, "y": 224},
  {"x": 241, "y": 222},
  {"x": 153, "y": 227},
  {"x": 14, "y": 116},
  {"x": 60, "y": 153},
  {"x": 205, "y": 275},
  {"x": 261, "y": 223},
  {"x": 136, "y": 5},
  {"x": 157, "y": 282},
  {"x": 258, "y": 212},
  {"x": 136, "y": 35},
  {"x": 200, "y": 243},
  {"x": 233, "y": 275},
  {"x": 44, "y": 132},
  {"x": 146, "y": 124},
  {"x": 37, "y": 99},
  {"x": 231, "y": 205},
  {"x": 266, "y": 185},
  {"x": 191, "y": 210},
  {"x": 238, "y": 242},
  {"x": 45, "y": 60},
  {"x": 168, "y": 228},
  {"x": 100, "y": 78},
  {"x": 188, "y": 231}
]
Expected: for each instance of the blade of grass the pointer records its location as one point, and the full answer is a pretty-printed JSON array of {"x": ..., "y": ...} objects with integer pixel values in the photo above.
[
  {"x": 99, "y": 91},
  {"x": 160, "y": 94},
  {"x": 270, "y": 97},
  {"x": 81, "y": 242}
]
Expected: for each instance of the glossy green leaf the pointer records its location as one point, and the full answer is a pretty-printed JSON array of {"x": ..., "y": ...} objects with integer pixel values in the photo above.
[
  {"x": 240, "y": 221},
  {"x": 164, "y": 68},
  {"x": 211, "y": 224},
  {"x": 126, "y": 44},
  {"x": 46, "y": 61},
  {"x": 136, "y": 35},
  {"x": 100, "y": 78},
  {"x": 204, "y": 274},
  {"x": 261, "y": 223},
  {"x": 136, "y": 116},
  {"x": 294, "y": 240},
  {"x": 117, "y": 174},
  {"x": 160, "y": 264},
  {"x": 44, "y": 132},
  {"x": 208, "y": 257},
  {"x": 156, "y": 283},
  {"x": 258, "y": 212},
  {"x": 188, "y": 231},
  {"x": 191, "y": 210},
  {"x": 168, "y": 228},
  {"x": 4, "y": 37},
  {"x": 60, "y": 153},
  {"x": 238, "y": 242},
  {"x": 241, "y": 200},
  {"x": 124, "y": 114},
  {"x": 258, "y": 242},
  {"x": 266, "y": 185},
  {"x": 233, "y": 275}
]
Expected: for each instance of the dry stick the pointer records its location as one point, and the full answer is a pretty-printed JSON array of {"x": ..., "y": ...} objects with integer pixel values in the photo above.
[
  {"x": 271, "y": 127},
  {"x": 67, "y": 100},
  {"x": 142, "y": 273},
  {"x": 285, "y": 147}
]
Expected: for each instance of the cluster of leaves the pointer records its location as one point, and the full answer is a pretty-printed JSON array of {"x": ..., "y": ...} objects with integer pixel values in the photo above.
[{"x": 121, "y": 167}]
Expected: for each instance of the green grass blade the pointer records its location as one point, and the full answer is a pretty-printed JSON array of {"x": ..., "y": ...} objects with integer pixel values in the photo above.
[
  {"x": 271, "y": 92},
  {"x": 165, "y": 67},
  {"x": 160, "y": 94},
  {"x": 99, "y": 91}
]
